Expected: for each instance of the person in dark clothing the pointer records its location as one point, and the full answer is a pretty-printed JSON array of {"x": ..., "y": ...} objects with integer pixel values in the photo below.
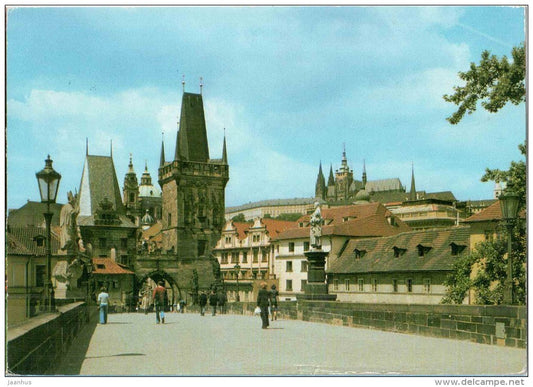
[
  {"x": 202, "y": 300},
  {"x": 213, "y": 299},
  {"x": 222, "y": 302},
  {"x": 159, "y": 302},
  {"x": 263, "y": 298},
  {"x": 274, "y": 302}
]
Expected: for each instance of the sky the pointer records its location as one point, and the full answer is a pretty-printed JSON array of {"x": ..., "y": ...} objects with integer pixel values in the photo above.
[{"x": 289, "y": 86}]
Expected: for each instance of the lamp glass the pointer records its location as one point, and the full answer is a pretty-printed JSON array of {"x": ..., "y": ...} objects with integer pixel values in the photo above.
[
  {"x": 509, "y": 205},
  {"x": 48, "y": 180}
]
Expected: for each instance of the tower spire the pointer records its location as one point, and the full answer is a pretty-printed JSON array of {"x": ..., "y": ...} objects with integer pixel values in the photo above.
[
  {"x": 201, "y": 84},
  {"x": 111, "y": 148},
  {"x": 183, "y": 82},
  {"x": 86, "y": 146},
  {"x": 224, "y": 153},
  {"x": 162, "y": 159},
  {"x": 364, "y": 174},
  {"x": 412, "y": 194}
]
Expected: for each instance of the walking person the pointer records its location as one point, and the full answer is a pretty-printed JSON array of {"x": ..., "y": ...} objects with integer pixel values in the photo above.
[
  {"x": 274, "y": 302},
  {"x": 263, "y": 299},
  {"x": 202, "y": 300},
  {"x": 213, "y": 299},
  {"x": 222, "y": 302},
  {"x": 103, "y": 304},
  {"x": 159, "y": 302}
]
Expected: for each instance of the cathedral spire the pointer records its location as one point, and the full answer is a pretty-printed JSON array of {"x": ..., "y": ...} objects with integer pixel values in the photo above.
[
  {"x": 320, "y": 187},
  {"x": 331, "y": 179},
  {"x": 86, "y": 146},
  {"x": 162, "y": 159},
  {"x": 364, "y": 174},
  {"x": 111, "y": 150},
  {"x": 412, "y": 194},
  {"x": 224, "y": 153},
  {"x": 130, "y": 165}
]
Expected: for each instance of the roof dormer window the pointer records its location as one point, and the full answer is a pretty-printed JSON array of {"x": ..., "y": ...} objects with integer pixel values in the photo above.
[
  {"x": 39, "y": 240},
  {"x": 423, "y": 250},
  {"x": 398, "y": 251},
  {"x": 457, "y": 249},
  {"x": 359, "y": 253}
]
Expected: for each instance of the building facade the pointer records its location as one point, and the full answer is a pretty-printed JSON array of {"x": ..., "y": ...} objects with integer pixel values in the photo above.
[
  {"x": 272, "y": 208},
  {"x": 341, "y": 224},
  {"x": 407, "y": 268},
  {"x": 245, "y": 253}
]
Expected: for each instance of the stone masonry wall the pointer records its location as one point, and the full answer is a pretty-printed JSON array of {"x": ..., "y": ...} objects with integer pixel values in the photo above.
[{"x": 495, "y": 325}]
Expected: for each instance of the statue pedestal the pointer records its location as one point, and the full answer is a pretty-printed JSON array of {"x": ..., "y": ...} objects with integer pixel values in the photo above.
[{"x": 316, "y": 287}]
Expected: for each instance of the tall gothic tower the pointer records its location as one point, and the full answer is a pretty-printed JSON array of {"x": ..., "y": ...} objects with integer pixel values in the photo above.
[
  {"x": 130, "y": 192},
  {"x": 192, "y": 187}
]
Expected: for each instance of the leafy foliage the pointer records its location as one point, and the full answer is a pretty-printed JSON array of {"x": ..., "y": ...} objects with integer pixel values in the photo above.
[
  {"x": 239, "y": 218},
  {"x": 288, "y": 217},
  {"x": 494, "y": 81}
]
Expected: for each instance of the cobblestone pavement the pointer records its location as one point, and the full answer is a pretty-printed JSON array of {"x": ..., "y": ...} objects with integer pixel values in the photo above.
[{"x": 189, "y": 344}]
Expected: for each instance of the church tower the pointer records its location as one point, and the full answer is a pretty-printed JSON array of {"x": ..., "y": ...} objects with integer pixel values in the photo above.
[
  {"x": 130, "y": 192},
  {"x": 320, "y": 187},
  {"x": 412, "y": 193},
  {"x": 192, "y": 187},
  {"x": 343, "y": 178}
]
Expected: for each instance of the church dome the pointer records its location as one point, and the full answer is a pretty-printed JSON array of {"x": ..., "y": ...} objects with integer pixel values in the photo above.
[
  {"x": 362, "y": 196},
  {"x": 147, "y": 219}
]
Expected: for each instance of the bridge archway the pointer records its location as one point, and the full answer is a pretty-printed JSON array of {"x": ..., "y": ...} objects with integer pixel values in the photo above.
[{"x": 146, "y": 284}]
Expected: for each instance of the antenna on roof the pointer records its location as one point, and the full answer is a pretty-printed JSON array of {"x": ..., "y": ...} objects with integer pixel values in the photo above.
[
  {"x": 183, "y": 82},
  {"x": 201, "y": 84}
]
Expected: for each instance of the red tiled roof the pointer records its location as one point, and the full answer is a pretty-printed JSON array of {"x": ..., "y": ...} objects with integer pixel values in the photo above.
[
  {"x": 110, "y": 267},
  {"x": 492, "y": 212},
  {"x": 372, "y": 225},
  {"x": 242, "y": 228},
  {"x": 337, "y": 214},
  {"x": 275, "y": 227}
]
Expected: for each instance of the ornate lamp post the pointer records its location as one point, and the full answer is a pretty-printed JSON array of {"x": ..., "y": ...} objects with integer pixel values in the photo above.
[
  {"x": 237, "y": 268},
  {"x": 48, "y": 180},
  {"x": 509, "y": 202}
]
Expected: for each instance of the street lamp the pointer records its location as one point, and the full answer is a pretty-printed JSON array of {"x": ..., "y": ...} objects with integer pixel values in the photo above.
[
  {"x": 509, "y": 202},
  {"x": 237, "y": 267},
  {"x": 48, "y": 180}
]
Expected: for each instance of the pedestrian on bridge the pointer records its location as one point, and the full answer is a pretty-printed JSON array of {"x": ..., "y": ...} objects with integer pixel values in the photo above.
[
  {"x": 103, "y": 302},
  {"x": 263, "y": 301},
  {"x": 213, "y": 299},
  {"x": 222, "y": 302},
  {"x": 203, "y": 302},
  {"x": 274, "y": 302},
  {"x": 159, "y": 296}
]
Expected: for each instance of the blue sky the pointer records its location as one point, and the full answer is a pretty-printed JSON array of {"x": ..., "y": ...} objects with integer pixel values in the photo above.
[{"x": 291, "y": 85}]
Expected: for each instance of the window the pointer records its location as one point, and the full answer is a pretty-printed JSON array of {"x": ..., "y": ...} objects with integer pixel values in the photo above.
[
  {"x": 288, "y": 266},
  {"x": 398, "y": 251},
  {"x": 234, "y": 257},
  {"x": 347, "y": 285},
  {"x": 264, "y": 255},
  {"x": 201, "y": 247},
  {"x": 277, "y": 248},
  {"x": 489, "y": 235},
  {"x": 303, "y": 267},
  {"x": 228, "y": 240},
  {"x": 39, "y": 240},
  {"x": 102, "y": 243},
  {"x": 395, "y": 285},
  {"x": 423, "y": 250},
  {"x": 256, "y": 255},
  {"x": 335, "y": 284},
  {"x": 359, "y": 253},
  {"x": 374, "y": 285},
  {"x": 132, "y": 197},
  {"x": 409, "y": 283},
  {"x": 291, "y": 247},
  {"x": 124, "y": 243},
  {"x": 224, "y": 258},
  {"x": 288, "y": 285},
  {"x": 256, "y": 238},
  {"x": 361, "y": 284},
  {"x": 427, "y": 285},
  {"x": 40, "y": 273},
  {"x": 169, "y": 220},
  {"x": 244, "y": 257},
  {"x": 457, "y": 249},
  {"x": 306, "y": 246},
  {"x": 302, "y": 285}
]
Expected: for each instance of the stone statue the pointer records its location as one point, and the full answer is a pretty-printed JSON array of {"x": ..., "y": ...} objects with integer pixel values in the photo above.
[
  {"x": 67, "y": 221},
  {"x": 67, "y": 272},
  {"x": 316, "y": 227}
]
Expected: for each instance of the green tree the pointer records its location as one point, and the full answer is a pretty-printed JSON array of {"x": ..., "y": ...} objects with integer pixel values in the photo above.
[
  {"x": 288, "y": 217},
  {"x": 489, "y": 257},
  {"x": 494, "y": 82},
  {"x": 239, "y": 218}
]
